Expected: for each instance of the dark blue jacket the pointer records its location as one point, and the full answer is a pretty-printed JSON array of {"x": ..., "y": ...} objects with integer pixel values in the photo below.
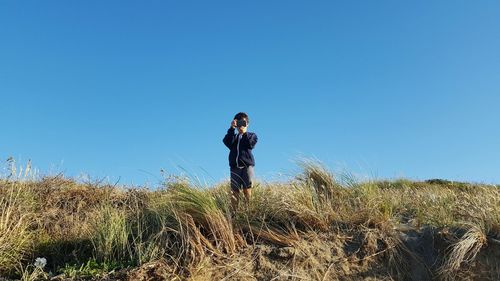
[{"x": 240, "y": 152}]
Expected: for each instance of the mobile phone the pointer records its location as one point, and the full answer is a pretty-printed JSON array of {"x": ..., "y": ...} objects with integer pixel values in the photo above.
[{"x": 241, "y": 123}]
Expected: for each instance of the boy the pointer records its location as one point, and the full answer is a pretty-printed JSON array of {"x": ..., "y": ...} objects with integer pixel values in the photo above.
[{"x": 241, "y": 161}]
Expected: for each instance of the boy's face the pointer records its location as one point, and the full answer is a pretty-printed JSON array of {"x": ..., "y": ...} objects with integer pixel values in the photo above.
[{"x": 243, "y": 129}]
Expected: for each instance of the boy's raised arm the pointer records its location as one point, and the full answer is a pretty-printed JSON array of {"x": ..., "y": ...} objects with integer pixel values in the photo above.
[
  {"x": 229, "y": 137},
  {"x": 252, "y": 140}
]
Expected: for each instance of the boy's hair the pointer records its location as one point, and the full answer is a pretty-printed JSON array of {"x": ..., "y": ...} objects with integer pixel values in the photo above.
[{"x": 242, "y": 115}]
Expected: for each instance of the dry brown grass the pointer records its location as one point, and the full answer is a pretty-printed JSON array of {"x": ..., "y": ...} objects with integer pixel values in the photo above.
[
  {"x": 313, "y": 227},
  {"x": 15, "y": 224}
]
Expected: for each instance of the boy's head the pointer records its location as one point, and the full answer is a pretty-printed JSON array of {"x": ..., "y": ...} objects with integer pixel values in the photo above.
[{"x": 242, "y": 116}]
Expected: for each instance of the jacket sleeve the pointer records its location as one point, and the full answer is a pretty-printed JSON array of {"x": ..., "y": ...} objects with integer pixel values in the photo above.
[
  {"x": 229, "y": 137},
  {"x": 251, "y": 140}
]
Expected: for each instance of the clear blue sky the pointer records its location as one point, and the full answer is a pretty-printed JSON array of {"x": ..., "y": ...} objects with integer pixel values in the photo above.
[{"x": 122, "y": 89}]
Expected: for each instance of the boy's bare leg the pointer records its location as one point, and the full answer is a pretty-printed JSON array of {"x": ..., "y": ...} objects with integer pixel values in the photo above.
[
  {"x": 235, "y": 198},
  {"x": 248, "y": 194}
]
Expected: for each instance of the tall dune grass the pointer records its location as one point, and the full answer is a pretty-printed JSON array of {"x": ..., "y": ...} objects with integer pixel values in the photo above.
[
  {"x": 15, "y": 223},
  {"x": 191, "y": 230}
]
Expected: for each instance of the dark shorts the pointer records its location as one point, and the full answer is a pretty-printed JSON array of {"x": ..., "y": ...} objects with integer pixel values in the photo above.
[{"x": 241, "y": 178}]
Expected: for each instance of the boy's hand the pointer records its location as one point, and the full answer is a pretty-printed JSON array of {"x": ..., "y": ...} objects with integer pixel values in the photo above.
[{"x": 233, "y": 124}]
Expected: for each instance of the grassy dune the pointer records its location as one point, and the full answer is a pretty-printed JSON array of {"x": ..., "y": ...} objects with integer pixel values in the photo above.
[{"x": 310, "y": 228}]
